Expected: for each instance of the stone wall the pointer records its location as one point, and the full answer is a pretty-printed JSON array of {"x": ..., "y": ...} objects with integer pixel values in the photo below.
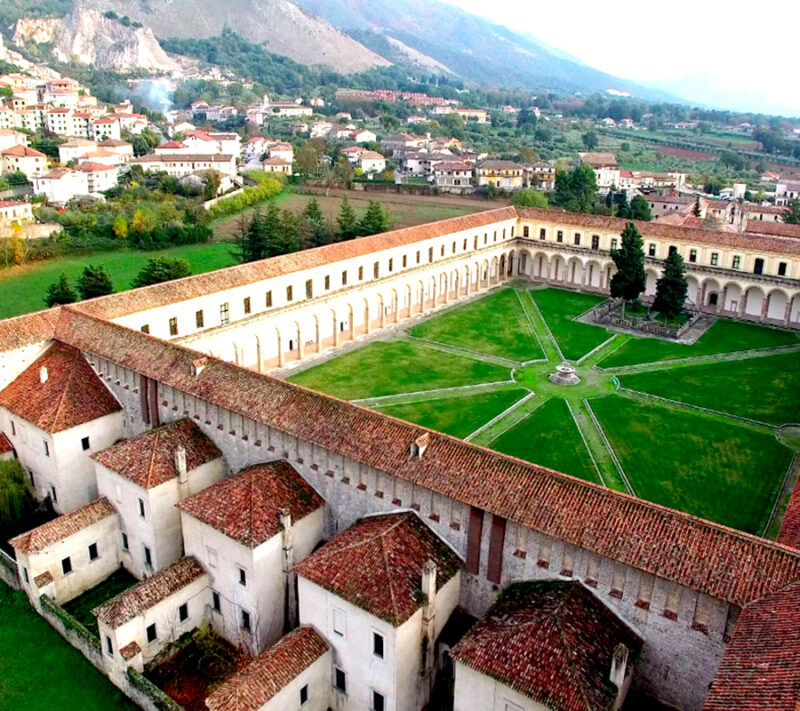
[{"x": 9, "y": 573}]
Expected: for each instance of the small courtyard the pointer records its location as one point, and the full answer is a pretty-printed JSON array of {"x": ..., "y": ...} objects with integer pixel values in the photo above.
[{"x": 708, "y": 428}]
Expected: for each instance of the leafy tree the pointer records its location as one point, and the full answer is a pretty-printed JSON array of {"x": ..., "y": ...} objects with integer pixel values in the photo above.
[
  {"x": 640, "y": 209},
  {"x": 528, "y": 197},
  {"x": 316, "y": 221},
  {"x": 293, "y": 233},
  {"x": 629, "y": 280},
  {"x": 590, "y": 140},
  {"x": 698, "y": 210},
  {"x": 120, "y": 227},
  {"x": 94, "y": 281},
  {"x": 16, "y": 499},
  {"x": 160, "y": 269},
  {"x": 374, "y": 219},
  {"x": 793, "y": 216},
  {"x": 672, "y": 288},
  {"x": 347, "y": 221},
  {"x": 60, "y": 292},
  {"x": 307, "y": 158}
]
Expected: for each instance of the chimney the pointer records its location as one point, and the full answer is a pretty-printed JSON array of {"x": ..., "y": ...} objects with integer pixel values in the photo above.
[
  {"x": 290, "y": 593},
  {"x": 619, "y": 665},
  {"x": 180, "y": 470},
  {"x": 198, "y": 364},
  {"x": 419, "y": 445},
  {"x": 428, "y": 615},
  {"x": 43, "y": 374}
]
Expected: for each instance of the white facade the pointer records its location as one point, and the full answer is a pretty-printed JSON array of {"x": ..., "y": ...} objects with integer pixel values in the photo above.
[
  {"x": 59, "y": 186},
  {"x": 317, "y": 678},
  {"x": 75, "y": 149},
  {"x": 474, "y": 690}
]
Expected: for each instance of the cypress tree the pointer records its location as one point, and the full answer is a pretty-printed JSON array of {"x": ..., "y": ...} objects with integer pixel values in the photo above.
[
  {"x": 60, "y": 292},
  {"x": 347, "y": 221},
  {"x": 94, "y": 281},
  {"x": 629, "y": 281},
  {"x": 698, "y": 211},
  {"x": 160, "y": 269},
  {"x": 640, "y": 209},
  {"x": 374, "y": 219},
  {"x": 318, "y": 229},
  {"x": 672, "y": 288}
]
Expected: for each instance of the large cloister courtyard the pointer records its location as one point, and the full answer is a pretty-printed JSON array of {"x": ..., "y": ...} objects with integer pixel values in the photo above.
[{"x": 707, "y": 428}]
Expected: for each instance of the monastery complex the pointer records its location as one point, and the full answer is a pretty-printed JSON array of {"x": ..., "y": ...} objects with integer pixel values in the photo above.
[{"x": 343, "y": 548}]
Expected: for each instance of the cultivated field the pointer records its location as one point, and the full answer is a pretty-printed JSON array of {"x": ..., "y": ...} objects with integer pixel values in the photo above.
[{"x": 697, "y": 428}]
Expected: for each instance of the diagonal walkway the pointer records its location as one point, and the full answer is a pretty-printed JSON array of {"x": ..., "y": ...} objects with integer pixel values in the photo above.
[
  {"x": 435, "y": 394},
  {"x": 467, "y": 353}
]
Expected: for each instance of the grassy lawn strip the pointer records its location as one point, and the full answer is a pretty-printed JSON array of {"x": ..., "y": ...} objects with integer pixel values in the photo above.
[
  {"x": 695, "y": 463},
  {"x": 723, "y": 337},
  {"x": 25, "y": 287},
  {"x": 763, "y": 389},
  {"x": 39, "y": 670},
  {"x": 550, "y": 438},
  {"x": 81, "y": 607},
  {"x": 559, "y": 308},
  {"x": 457, "y": 416},
  {"x": 391, "y": 367},
  {"x": 495, "y": 325}
]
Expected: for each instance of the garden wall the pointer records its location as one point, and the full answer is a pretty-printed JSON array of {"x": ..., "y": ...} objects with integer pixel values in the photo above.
[{"x": 8, "y": 571}]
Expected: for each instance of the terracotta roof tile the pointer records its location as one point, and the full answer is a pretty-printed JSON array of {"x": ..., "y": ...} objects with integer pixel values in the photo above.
[
  {"x": 247, "y": 506},
  {"x": 28, "y": 329},
  {"x": 269, "y": 672},
  {"x": 713, "y": 559},
  {"x": 780, "y": 229},
  {"x": 149, "y": 592},
  {"x": 149, "y": 459},
  {"x": 72, "y": 394},
  {"x": 63, "y": 527},
  {"x": 789, "y": 534},
  {"x": 5, "y": 445},
  {"x": 376, "y": 564},
  {"x": 23, "y": 152},
  {"x": 599, "y": 160},
  {"x": 761, "y": 667},
  {"x": 129, "y": 651},
  {"x": 551, "y": 641},
  {"x": 43, "y": 579}
]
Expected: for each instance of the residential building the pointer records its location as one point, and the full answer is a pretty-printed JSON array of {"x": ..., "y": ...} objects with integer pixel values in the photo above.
[
  {"x": 502, "y": 174},
  {"x": 284, "y": 151},
  {"x": 25, "y": 160},
  {"x": 106, "y": 127},
  {"x": 122, "y": 149},
  {"x": 60, "y": 185},
  {"x": 277, "y": 165},
  {"x": 371, "y": 162},
  {"x": 180, "y": 165},
  {"x": 10, "y": 138},
  {"x": 99, "y": 177},
  {"x": 452, "y": 174},
  {"x": 15, "y": 212},
  {"x": 74, "y": 149},
  {"x": 605, "y": 166}
]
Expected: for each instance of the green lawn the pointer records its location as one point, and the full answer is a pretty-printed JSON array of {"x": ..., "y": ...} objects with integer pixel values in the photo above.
[
  {"x": 495, "y": 325},
  {"x": 549, "y": 437},
  {"x": 559, "y": 309},
  {"x": 391, "y": 367},
  {"x": 457, "y": 416},
  {"x": 25, "y": 287},
  {"x": 40, "y": 671},
  {"x": 698, "y": 464},
  {"x": 81, "y": 607},
  {"x": 764, "y": 389},
  {"x": 723, "y": 337}
]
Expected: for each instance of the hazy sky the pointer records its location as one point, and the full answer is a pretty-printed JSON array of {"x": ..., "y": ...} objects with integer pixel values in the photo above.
[{"x": 749, "y": 50}]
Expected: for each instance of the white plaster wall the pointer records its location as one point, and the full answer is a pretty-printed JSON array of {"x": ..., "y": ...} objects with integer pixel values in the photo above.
[
  {"x": 318, "y": 679},
  {"x": 474, "y": 690}
]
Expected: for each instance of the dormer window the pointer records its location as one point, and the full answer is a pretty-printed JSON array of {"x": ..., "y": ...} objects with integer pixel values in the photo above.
[{"x": 419, "y": 445}]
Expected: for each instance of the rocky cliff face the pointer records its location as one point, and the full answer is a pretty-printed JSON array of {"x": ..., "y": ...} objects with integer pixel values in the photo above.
[{"x": 87, "y": 37}]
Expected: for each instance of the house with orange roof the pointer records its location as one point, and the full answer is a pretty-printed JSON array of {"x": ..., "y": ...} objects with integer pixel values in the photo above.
[
  {"x": 60, "y": 185},
  {"x": 25, "y": 160}
]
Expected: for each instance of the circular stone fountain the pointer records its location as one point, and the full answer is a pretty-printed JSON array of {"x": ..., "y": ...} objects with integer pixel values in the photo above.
[{"x": 565, "y": 375}]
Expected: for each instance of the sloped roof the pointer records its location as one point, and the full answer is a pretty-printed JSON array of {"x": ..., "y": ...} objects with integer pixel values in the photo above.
[
  {"x": 28, "y": 329},
  {"x": 149, "y": 592},
  {"x": 781, "y": 229},
  {"x": 72, "y": 394},
  {"x": 599, "y": 160},
  {"x": 149, "y": 459},
  {"x": 551, "y": 641},
  {"x": 247, "y": 507},
  {"x": 789, "y": 534},
  {"x": 23, "y": 152},
  {"x": 269, "y": 672},
  {"x": 376, "y": 565},
  {"x": 5, "y": 445},
  {"x": 63, "y": 527},
  {"x": 760, "y": 670}
]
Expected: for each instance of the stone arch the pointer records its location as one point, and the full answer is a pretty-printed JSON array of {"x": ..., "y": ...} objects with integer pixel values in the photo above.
[
  {"x": 444, "y": 285},
  {"x": 279, "y": 346},
  {"x": 407, "y": 292},
  {"x": 484, "y": 273},
  {"x": 777, "y": 301},
  {"x": 421, "y": 294},
  {"x": 540, "y": 266},
  {"x": 513, "y": 267},
  {"x": 711, "y": 294},
  {"x": 754, "y": 301},
  {"x": 335, "y": 330},
  {"x": 794, "y": 310},
  {"x": 523, "y": 267},
  {"x": 501, "y": 267},
  {"x": 593, "y": 274},
  {"x": 351, "y": 324},
  {"x": 734, "y": 298},
  {"x": 575, "y": 271},
  {"x": 300, "y": 345},
  {"x": 365, "y": 304},
  {"x": 432, "y": 284},
  {"x": 494, "y": 272},
  {"x": 650, "y": 279},
  {"x": 394, "y": 305},
  {"x": 317, "y": 334},
  {"x": 382, "y": 310},
  {"x": 693, "y": 291}
]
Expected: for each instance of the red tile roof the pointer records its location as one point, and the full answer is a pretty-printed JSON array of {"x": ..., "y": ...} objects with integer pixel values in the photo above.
[
  {"x": 781, "y": 229},
  {"x": 28, "y": 329},
  {"x": 269, "y": 672},
  {"x": 551, "y": 641},
  {"x": 129, "y": 651},
  {"x": 247, "y": 506},
  {"x": 149, "y": 592},
  {"x": 789, "y": 534},
  {"x": 599, "y": 160},
  {"x": 149, "y": 459},
  {"x": 12, "y": 203},
  {"x": 23, "y": 152},
  {"x": 63, "y": 527},
  {"x": 376, "y": 564},
  {"x": 5, "y": 445},
  {"x": 700, "y": 555},
  {"x": 761, "y": 667},
  {"x": 72, "y": 394}
]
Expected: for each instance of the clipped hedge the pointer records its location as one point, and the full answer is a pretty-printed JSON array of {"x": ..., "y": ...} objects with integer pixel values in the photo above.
[
  {"x": 269, "y": 185},
  {"x": 158, "y": 698}
]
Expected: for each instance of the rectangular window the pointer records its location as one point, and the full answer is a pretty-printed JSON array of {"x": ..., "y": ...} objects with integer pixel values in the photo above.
[
  {"x": 224, "y": 315},
  {"x": 215, "y": 601},
  {"x": 595, "y": 241},
  {"x": 66, "y": 565},
  {"x": 782, "y": 269},
  {"x": 84, "y": 443},
  {"x": 109, "y": 646},
  {"x": 14, "y": 428},
  {"x": 542, "y": 233},
  {"x": 377, "y": 644},
  {"x": 376, "y": 270},
  {"x": 53, "y": 494},
  {"x": 405, "y": 261},
  {"x": 269, "y": 299},
  {"x": 391, "y": 265},
  {"x": 418, "y": 257},
  {"x": 304, "y": 694},
  {"x": 651, "y": 250},
  {"x": 198, "y": 318},
  {"x": 340, "y": 680},
  {"x": 289, "y": 294},
  {"x": 141, "y": 509},
  {"x": 672, "y": 249},
  {"x": 560, "y": 236},
  {"x": 173, "y": 326},
  {"x": 442, "y": 251},
  {"x": 339, "y": 622},
  {"x": 245, "y": 620},
  {"x": 692, "y": 255},
  {"x": 247, "y": 304},
  {"x": 183, "y": 612},
  {"x": 714, "y": 259},
  {"x": 378, "y": 701},
  {"x": 475, "y": 243},
  {"x": 614, "y": 243},
  {"x": 737, "y": 262},
  {"x": 430, "y": 254},
  {"x": 464, "y": 248},
  {"x": 46, "y": 448},
  {"x": 361, "y": 273},
  {"x": 148, "y": 557},
  {"x": 242, "y": 577},
  {"x": 526, "y": 231},
  {"x": 577, "y": 239},
  {"x": 474, "y": 540},
  {"x": 151, "y": 633},
  {"x": 344, "y": 278},
  {"x": 93, "y": 555},
  {"x": 25, "y": 574},
  {"x": 125, "y": 544},
  {"x": 309, "y": 288},
  {"x": 758, "y": 266},
  {"x": 327, "y": 282}
]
